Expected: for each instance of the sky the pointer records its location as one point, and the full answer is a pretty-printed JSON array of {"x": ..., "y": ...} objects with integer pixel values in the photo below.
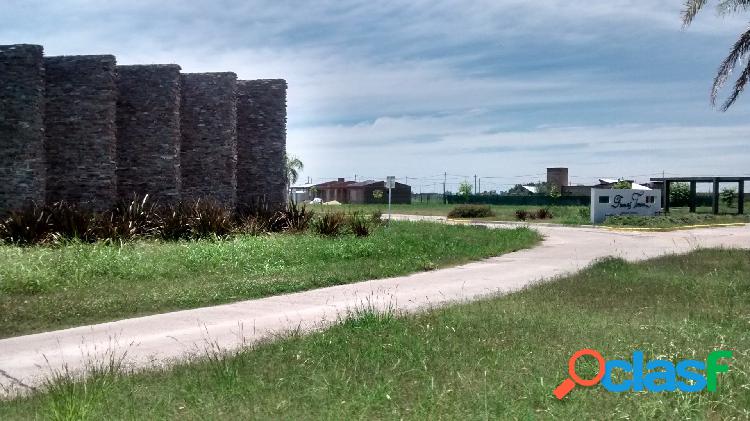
[{"x": 501, "y": 89}]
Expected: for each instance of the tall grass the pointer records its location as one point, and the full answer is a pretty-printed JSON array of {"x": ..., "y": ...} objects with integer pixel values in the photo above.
[
  {"x": 499, "y": 358},
  {"x": 76, "y": 282}
]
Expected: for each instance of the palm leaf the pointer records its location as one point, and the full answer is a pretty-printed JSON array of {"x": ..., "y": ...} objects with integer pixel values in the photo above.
[
  {"x": 692, "y": 7},
  {"x": 739, "y": 50},
  {"x": 739, "y": 86},
  {"x": 726, "y": 7}
]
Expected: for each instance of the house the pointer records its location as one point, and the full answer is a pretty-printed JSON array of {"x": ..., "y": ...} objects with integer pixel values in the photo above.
[
  {"x": 369, "y": 191},
  {"x": 303, "y": 192},
  {"x": 372, "y": 191},
  {"x": 334, "y": 190}
]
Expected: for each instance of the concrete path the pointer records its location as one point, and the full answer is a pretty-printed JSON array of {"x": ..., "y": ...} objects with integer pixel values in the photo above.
[{"x": 161, "y": 339}]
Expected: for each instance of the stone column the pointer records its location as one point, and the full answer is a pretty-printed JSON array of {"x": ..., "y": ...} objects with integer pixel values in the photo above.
[
  {"x": 209, "y": 137},
  {"x": 148, "y": 132},
  {"x": 80, "y": 108},
  {"x": 261, "y": 143},
  {"x": 22, "y": 168}
]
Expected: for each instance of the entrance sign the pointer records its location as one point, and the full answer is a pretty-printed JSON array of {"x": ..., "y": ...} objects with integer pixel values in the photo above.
[{"x": 611, "y": 202}]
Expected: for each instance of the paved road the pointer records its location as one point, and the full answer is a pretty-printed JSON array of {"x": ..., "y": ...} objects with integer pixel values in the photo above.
[{"x": 164, "y": 338}]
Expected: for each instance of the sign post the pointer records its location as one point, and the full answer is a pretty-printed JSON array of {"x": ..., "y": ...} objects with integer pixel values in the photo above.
[{"x": 391, "y": 184}]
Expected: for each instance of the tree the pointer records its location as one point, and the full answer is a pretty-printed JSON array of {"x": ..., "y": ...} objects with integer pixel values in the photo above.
[
  {"x": 622, "y": 184},
  {"x": 554, "y": 192},
  {"x": 739, "y": 50},
  {"x": 518, "y": 190},
  {"x": 293, "y": 166},
  {"x": 464, "y": 189},
  {"x": 679, "y": 194},
  {"x": 728, "y": 194}
]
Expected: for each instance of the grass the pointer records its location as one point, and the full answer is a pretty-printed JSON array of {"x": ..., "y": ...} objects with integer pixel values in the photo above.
[
  {"x": 493, "y": 359},
  {"x": 674, "y": 220},
  {"x": 44, "y": 288},
  {"x": 569, "y": 215}
]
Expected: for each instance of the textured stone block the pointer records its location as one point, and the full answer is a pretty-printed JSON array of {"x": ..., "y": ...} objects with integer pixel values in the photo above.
[
  {"x": 148, "y": 132},
  {"x": 80, "y": 108},
  {"x": 209, "y": 137},
  {"x": 261, "y": 142},
  {"x": 22, "y": 171}
]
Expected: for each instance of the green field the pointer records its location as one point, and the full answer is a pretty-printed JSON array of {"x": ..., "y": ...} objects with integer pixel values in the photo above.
[
  {"x": 494, "y": 359},
  {"x": 44, "y": 288},
  {"x": 570, "y": 215}
]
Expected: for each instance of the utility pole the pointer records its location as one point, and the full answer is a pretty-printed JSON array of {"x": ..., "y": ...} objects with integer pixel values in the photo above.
[
  {"x": 355, "y": 177},
  {"x": 479, "y": 189},
  {"x": 407, "y": 180},
  {"x": 475, "y": 184},
  {"x": 445, "y": 180}
]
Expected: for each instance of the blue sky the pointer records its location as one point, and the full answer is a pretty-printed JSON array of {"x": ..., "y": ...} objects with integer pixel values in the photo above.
[{"x": 501, "y": 89}]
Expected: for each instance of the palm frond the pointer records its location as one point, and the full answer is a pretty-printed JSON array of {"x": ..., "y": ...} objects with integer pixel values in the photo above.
[
  {"x": 739, "y": 50},
  {"x": 739, "y": 86},
  {"x": 692, "y": 7},
  {"x": 727, "y": 7}
]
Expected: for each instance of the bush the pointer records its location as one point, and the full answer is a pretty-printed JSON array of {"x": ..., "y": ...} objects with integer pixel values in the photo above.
[
  {"x": 30, "y": 225},
  {"x": 137, "y": 218},
  {"x": 544, "y": 213},
  {"x": 140, "y": 218},
  {"x": 295, "y": 219},
  {"x": 358, "y": 225},
  {"x": 728, "y": 195},
  {"x": 70, "y": 222},
  {"x": 679, "y": 194},
  {"x": 471, "y": 211},
  {"x": 376, "y": 217},
  {"x": 522, "y": 215},
  {"x": 176, "y": 222},
  {"x": 210, "y": 219},
  {"x": 329, "y": 224}
]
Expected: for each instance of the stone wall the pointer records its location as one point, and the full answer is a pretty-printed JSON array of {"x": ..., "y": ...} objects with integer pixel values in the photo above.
[
  {"x": 148, "y": 132},
  {"x": 22, "y": 170},
  {"x": 209, "y": 137},
  {"x": 261, "y": 142},
  {"x": 83, "y": 130},
  {"x": 81, "y": 100}
]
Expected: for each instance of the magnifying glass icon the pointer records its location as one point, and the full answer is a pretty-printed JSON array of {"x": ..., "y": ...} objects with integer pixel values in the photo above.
[{"x": 568, "y": 384}]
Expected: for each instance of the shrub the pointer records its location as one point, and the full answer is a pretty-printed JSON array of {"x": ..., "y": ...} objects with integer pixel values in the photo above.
[
  {"x": 543, "y": 213},
  {"x": 175, "y": 222},
  {"x": 329, "y": 224},
  {"x": 296, "y": 219},
  {"x": 471, "y": 211},
  {"x": 358, "y": 225},
  {"x": 210, "y": 219},
  {"x": 30, "y": 225},
  {"x": 376, "y": 217},
  {"x": 69, "y": 221},
  {"x": 138, "y": 217},
  {"x": 253, "y": 225},
  {"x": 679, "y": 194},
  {"x": 728, "y": 195},
  {"x": 522, "y": 215}
]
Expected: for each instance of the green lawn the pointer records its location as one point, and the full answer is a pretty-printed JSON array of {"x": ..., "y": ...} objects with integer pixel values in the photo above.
[
  {"x": 675, "y": 220},
  {"x": 44, "y": 288},
  {"x": 570, "y": 215},
  {"x": 494, "y": 359}
]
